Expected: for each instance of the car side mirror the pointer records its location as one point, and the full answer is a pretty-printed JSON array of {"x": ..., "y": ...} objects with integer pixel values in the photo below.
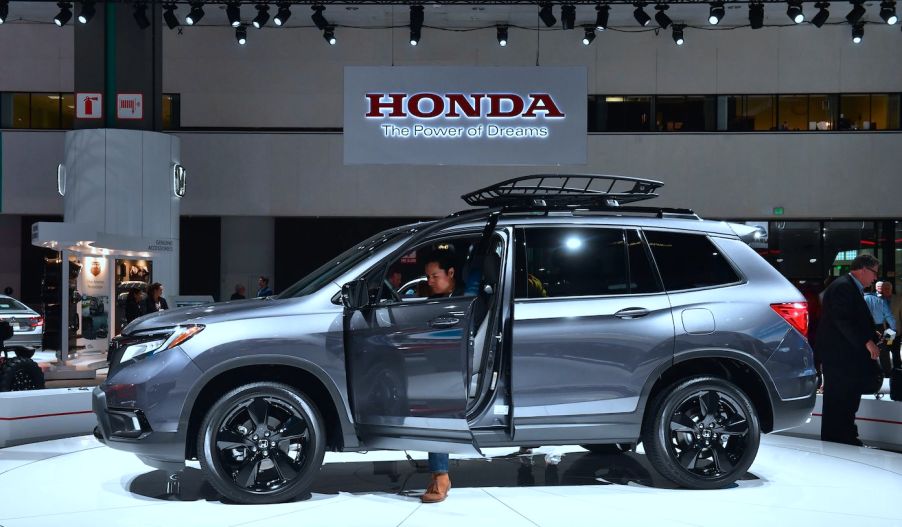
[
  {"x": 354, "y": 295},
  {"x": 6, "y": 331}
]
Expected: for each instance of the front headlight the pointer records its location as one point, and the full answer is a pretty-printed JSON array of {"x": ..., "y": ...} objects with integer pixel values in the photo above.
[{"x": 158, "y": 340}]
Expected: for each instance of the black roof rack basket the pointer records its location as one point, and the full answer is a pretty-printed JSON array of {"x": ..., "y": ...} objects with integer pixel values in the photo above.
[{"x": 567, "y": 191}]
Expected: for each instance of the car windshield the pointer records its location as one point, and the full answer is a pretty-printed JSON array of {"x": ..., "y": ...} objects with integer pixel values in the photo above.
[
  {"x": 343, "y": 262},
  {"x": 11, "y": 304}
]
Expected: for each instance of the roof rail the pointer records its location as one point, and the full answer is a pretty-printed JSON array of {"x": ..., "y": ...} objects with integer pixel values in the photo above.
[{"x": 564, "y": 191}]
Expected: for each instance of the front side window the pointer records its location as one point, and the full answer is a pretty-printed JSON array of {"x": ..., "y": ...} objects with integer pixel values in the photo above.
[
  {"x": 568, "y": 262},
  {"x": 689, "y": 261}
]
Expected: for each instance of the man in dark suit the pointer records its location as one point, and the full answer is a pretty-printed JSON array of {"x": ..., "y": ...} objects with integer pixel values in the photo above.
[{"x": 846, "y": 345}]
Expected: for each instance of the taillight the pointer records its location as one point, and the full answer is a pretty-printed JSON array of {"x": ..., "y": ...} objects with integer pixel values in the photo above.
[
  {"x": 34, "y": 322},
  {"x": 796, "y": 313}
]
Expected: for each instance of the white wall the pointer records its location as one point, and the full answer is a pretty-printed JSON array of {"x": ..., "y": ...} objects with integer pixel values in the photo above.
[
  {"x": 37, "y": 58},
  {"x": 292, "y": 78}
]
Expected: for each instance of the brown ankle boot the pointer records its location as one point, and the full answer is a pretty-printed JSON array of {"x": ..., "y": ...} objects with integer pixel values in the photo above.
[{"x": 438, "y": 489}]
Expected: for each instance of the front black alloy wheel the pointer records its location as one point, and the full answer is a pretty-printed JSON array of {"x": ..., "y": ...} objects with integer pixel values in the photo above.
[
  {"x": 702, "y": 433},
  {"x": 261, "y": 443}
]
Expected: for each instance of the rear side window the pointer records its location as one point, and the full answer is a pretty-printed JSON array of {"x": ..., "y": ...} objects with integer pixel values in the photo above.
[
  {"x": 565, "y": 261},
  {"x": 10, "y": 304},
  {"x": 689, "y": 261}
]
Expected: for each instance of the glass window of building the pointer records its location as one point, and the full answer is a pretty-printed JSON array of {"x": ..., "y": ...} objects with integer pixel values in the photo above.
[
  {"x": 793, "y": 112},
  {"x": 844, "y": 240},
  {"x": 795, "y": 250},
  {"x": 822, "y": 112},
  {"x": 684, "y": 113},
  {"x": 620, "y": 114},
  {"x": 67, "y": 111},
  {"x": 854, "y": 112},
  {"x": 884, "y": 112},
  {"x": 171, "y": 112},
  {"x": 15, "y": 110},
  {"x": 45, "y": 110},
  {"x": 749, "y": 112}
]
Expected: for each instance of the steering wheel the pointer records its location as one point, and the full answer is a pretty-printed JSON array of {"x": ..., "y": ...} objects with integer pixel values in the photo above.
[{"x": 394, "y": 294}]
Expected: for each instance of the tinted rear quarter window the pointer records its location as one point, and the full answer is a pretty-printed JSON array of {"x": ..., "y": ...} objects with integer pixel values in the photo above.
[{"x": 689, "y": 261}]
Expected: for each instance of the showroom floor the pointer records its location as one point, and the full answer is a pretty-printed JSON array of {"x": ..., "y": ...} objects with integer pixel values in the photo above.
[{"x": 793, "y": 481}]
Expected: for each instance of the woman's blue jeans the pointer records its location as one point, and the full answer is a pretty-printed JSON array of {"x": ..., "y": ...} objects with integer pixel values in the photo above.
[{"x": 438, "y": 462}]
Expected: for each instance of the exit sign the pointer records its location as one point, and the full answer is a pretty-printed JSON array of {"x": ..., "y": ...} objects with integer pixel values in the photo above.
[{"x": 778, "y": 211}]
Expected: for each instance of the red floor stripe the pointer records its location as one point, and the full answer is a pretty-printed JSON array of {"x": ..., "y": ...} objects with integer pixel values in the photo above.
[
  {"x": 872, "y": 419},
  {"x": 45, "y": 415}
]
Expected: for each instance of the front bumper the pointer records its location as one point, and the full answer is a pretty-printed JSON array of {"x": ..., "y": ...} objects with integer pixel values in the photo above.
[{"x": 139, "y": 406}]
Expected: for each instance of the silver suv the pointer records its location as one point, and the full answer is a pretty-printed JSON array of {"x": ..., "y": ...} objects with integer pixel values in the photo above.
[{"x": 575, "y": 318}]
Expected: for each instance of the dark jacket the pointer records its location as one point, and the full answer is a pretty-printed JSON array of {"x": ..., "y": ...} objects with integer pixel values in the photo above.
[
  {"x": 133, "y": 309},
  {"x": 844, "y": 329},
  {"x": 151, "y": 307}
]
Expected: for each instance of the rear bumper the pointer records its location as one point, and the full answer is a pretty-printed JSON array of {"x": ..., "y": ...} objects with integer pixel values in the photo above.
[
  {"x": 790, "y": 413},
  {"x": 30, "y": 340}
]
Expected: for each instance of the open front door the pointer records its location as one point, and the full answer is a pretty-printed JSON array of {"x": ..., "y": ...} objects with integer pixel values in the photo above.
[{"x": 407, "y": 362}]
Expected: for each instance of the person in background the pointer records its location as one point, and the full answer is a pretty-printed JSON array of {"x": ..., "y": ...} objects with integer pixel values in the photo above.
[
  {"x": 394, "y": 277},
  {"x": 882, "y": 313},
  {"x": 134, "y": 306},
  {"x": 846, "y": 345},
  {"x": 239, "y": 293},
  {"x": 155, "y": 301},
  {"x": 8, "y": 291},
  {"x": 896, "y": 308},
  {"x": 264, "y": 290}
]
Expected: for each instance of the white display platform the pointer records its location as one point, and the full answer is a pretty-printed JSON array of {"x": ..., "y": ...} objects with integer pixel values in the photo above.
[
  {"x": 29, "y": 416},
  {"x": 798, "y": 482}
]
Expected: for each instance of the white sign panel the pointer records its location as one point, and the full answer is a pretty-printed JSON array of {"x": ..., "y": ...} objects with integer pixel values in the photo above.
[
  {"x": 130, "y": 106},
  {"x": 465, "y": 115},
  {"x": 89, "y": 105}
]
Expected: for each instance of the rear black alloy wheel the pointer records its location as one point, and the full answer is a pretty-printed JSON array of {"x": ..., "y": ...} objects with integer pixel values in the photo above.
[
  {"x": 702, "y": 433},
  {"x": 261, "y": 443}
]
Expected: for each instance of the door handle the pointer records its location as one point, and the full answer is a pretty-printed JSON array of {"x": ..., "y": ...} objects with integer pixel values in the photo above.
[
  {"x": 444, "y": 322},
  {"x": 631, "y": 312}
]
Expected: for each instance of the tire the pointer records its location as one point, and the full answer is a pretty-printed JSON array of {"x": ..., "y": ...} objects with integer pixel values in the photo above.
[
  {"x": 246, "y": 470},
  {"x": 19, "y": 374},
  {"x": 693, "y": 456},
  {"x": 610, "y": 449}
]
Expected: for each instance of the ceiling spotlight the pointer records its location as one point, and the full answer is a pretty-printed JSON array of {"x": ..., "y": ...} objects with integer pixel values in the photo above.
[
  {"x": 141, "y": 15},
  {"x": 794, "y": 11},
  {"x": 262, "y": 16},
  {"x": 241, "y": 34},
  {"x": 589, "y": 36},
  {"x": 87, "y": 12},
  {"x": 601, "y": 19},
  {"x": 546, "y": 15},
  {"x": 661, "y": 17},
  {"x": 678, "y": 33},
  {"x": 4, "y": 10},
  {"x": 169, "y": 17},
  {"x": 856, "y": 13},
  {"x": 329, "y": 35},
  {"x": 568, "y": 16},
  {"x": 416, "y": 24},
  {"x": 502, "y": 36},
  {"x": 756, "y": 15},
  {"x": 888, "y": 13},
  {"x": 640, "y": 15},
  {"x": 716, "y": 13},
  {"x": 233, "y": 12},
  {"x": 857, "y": 33},
  {"x": 196, "y": 13},
  {"x": 318, "y": 17},
  {"x": 64, "y": 15},
  {"x": 283, "y": 14},
  {"x": 822, "y": 15}
]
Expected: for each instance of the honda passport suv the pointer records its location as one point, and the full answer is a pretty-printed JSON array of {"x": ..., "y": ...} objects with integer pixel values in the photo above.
[{"x": 577, "y": 317}]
